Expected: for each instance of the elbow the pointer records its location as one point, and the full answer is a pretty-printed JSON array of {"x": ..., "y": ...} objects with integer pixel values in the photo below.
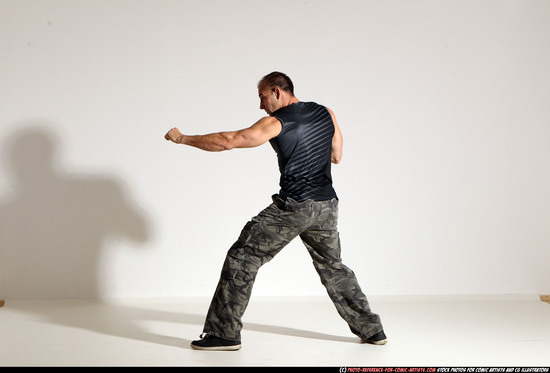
[
  {"x": 231, "y": 141},
  {"x": 336, "y": 157},
  {"x": 227, "y": 145}
]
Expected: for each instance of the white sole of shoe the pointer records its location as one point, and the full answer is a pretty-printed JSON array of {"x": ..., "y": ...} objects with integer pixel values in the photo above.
[
  {"x": 217, "y": 348},
  {"x": 378, "y": 343}
]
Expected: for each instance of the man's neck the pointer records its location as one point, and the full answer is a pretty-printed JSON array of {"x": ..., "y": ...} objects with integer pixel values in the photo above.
[{"x": 291, "y": 100}]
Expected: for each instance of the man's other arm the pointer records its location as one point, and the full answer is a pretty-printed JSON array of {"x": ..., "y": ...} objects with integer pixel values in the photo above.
[{"x": 337, "y": 141}]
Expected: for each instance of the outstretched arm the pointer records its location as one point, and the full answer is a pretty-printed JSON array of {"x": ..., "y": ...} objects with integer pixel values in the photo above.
[
  {"x": 256, "y": 135},
  {"x": 337, "y": 141}
]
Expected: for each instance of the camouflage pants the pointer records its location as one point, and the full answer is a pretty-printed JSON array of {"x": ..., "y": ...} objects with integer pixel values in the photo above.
[{"x": 262, "y": 238}]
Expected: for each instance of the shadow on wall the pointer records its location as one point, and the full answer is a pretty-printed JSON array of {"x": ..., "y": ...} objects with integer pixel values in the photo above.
[
  {"x": 53, "y": 224},
  {"x": 52, "y": 232}
]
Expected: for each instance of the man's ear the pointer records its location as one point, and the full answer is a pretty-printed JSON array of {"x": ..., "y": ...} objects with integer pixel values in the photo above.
[{"x": 277, "y": 92}]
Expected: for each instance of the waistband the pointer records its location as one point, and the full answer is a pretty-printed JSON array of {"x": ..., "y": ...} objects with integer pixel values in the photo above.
[{"x": 288, "y": 202}]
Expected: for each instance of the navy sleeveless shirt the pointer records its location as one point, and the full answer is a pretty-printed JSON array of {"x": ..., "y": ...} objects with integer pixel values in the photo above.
[{"x": 304, "y": 149}]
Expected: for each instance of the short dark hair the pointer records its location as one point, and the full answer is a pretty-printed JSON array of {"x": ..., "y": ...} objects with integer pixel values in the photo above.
[{"x": 277, "y": 79}]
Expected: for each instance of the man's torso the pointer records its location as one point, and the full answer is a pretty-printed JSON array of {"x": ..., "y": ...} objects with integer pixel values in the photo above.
[{"x": 304, "y": 151}]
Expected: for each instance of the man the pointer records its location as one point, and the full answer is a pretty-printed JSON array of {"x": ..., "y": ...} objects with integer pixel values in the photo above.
[{"x": 307, "y": 139}]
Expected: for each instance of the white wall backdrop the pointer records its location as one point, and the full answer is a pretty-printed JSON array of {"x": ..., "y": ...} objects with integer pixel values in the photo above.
[{"x": 444, "y": 105}]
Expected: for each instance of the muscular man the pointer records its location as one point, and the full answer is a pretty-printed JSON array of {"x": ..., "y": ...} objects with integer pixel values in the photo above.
[{"x": 307, "y": 139}]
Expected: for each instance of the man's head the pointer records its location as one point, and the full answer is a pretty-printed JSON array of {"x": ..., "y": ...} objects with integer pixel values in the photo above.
[{"x": 276, "y": 91}]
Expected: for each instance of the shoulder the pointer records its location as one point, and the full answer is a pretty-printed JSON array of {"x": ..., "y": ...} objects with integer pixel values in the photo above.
[
  {"x": 270, "y": 126},
  {"x": 329, "y": 110},
  {"x": 268, "y": 121},
  {"x": 314, "y": 106}
]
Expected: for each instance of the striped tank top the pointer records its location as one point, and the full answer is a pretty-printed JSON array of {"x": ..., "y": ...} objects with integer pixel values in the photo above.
[{"x": 303, "y": 150}]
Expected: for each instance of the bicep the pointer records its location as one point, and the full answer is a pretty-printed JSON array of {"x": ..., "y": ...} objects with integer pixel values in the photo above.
[{"x": 259, "y": 133}]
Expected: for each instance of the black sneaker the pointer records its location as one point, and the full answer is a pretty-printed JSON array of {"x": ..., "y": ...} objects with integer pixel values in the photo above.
[
  {"x": 211, "y": 343},
  {"x": 377, "y": 339}
]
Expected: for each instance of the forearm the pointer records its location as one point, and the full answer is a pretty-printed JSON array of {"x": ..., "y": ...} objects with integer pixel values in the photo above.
[
  {"x": 337, "y": 145},
  {"x": 214, "y": 142}
]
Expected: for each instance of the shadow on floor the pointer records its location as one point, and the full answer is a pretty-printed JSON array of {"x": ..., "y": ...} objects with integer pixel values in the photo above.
[{"x": 127, "y": 321}]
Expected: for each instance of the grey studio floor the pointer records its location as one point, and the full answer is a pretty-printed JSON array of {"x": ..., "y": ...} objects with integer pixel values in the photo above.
[{"x": 423, "y": 331}]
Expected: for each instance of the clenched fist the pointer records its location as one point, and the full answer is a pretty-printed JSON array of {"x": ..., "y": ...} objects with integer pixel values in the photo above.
[{"x": 173, "y": 135}]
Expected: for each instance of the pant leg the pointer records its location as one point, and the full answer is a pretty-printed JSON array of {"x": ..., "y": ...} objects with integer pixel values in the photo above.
[
  {"x": 260, "y": 240},
  {"x": 323, "y": 243}
]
